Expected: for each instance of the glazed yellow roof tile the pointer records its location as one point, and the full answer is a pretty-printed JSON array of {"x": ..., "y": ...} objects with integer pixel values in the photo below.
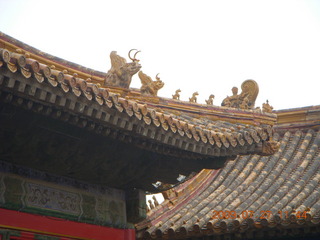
[
  {"x": 253, "y": 194},
  {"x": 196, "y": 123}
]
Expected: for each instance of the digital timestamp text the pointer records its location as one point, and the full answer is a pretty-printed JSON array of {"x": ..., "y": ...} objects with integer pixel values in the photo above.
[{"x": 250, "y": 214}]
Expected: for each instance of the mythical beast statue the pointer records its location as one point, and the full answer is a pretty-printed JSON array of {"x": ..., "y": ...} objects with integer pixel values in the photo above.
[
  {"x": 150, "y": 87},
  {"x": 210, "y": 100},
  {"x": 193, "y": 99},
  {"x": 176, "y": 96},
  {"x": 121, "y": 72},
  {"x": 246, "y": 99}
]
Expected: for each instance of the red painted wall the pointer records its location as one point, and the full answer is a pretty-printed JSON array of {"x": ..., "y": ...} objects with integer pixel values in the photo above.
[{"x": 31, "y": 224}]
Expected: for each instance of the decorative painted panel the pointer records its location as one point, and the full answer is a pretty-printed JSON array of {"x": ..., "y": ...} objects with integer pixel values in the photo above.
[
  {"x": 87, "y": 203},
  {"x": 40, "y": 196}
]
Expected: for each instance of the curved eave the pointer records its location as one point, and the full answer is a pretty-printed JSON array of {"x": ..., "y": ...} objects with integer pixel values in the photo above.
[{"x": 31, "y": 78}]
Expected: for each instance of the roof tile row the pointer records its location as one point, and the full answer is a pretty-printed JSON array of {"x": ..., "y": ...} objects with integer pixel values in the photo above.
[{"x": 252, "y": 192}]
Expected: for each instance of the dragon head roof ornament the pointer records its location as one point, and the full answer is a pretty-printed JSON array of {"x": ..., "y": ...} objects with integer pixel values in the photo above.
[
  {"x": 121, "y": 72},
  {"x": 246, "y": 99}
]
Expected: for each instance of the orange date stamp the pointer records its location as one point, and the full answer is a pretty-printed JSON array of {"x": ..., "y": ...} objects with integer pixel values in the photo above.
[{"x": 250, "y": 214}]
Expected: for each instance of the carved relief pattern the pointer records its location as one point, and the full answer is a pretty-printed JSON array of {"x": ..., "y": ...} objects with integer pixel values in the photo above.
[
  {"x": 95, "y": 205},
  {"x": 50, "y": 198}
]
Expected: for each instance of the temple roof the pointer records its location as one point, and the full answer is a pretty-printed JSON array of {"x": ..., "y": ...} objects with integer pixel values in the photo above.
[
  {"x": 281, "y": 192},
  {"x": 71, "y": 95}
]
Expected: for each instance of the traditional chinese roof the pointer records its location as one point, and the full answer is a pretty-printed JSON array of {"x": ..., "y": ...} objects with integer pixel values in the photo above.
[
  {"x": 282, "y": 192},
  {"x": 86, "y": 126}
]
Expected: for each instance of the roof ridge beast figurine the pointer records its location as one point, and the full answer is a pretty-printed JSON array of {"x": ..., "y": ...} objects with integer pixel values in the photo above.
[{"x": 121, "y": 72}]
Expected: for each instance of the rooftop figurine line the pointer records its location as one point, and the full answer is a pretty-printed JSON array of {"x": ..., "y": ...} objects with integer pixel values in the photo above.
[{"x": 121, "y": 72}]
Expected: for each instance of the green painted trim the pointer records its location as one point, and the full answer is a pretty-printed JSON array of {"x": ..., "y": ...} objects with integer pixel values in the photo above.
[{"x": 47, "y": 199}]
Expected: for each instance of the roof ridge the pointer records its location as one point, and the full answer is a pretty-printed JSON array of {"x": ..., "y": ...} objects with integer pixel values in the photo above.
[{"x": 209, "y": 142}]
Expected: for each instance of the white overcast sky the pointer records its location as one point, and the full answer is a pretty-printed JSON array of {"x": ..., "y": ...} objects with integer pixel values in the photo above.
[{"x": 204, "y": 46}]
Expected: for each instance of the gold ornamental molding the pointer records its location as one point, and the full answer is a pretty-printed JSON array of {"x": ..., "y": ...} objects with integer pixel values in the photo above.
[
  {"x": 60, "y": 66},
  {"x": 299, "y": 117},
  {"x": 66, "y": 74}
]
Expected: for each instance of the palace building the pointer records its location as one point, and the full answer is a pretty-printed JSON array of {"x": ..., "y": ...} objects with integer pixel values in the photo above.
[{"x": 80, "y": 149}]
